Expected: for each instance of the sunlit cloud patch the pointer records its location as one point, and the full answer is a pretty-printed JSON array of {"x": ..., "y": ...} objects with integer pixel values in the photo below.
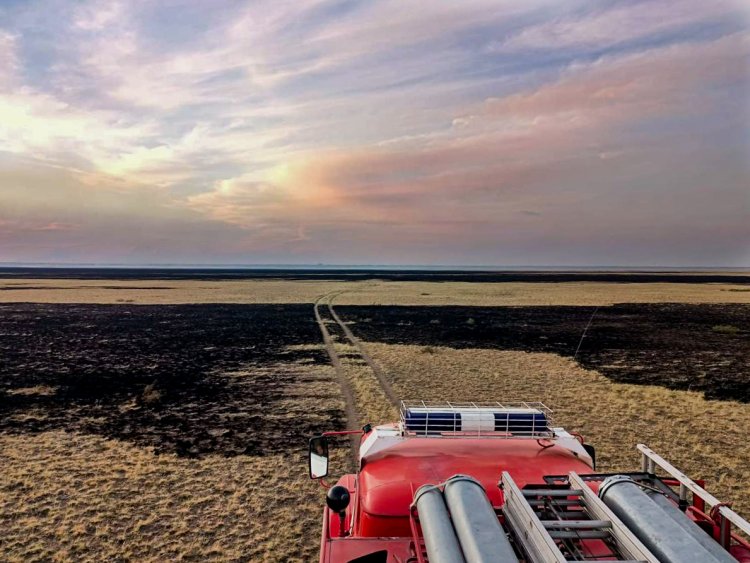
[{"x": 483, "y": 132}]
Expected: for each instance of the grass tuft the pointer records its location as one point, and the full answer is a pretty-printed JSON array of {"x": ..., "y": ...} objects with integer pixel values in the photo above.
[
  {"x": 151, "y": 395},
  {"x": 725, "y": 329}
]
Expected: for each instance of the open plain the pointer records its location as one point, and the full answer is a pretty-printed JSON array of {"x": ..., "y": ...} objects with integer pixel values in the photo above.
[{"x": 166, "y": 418}]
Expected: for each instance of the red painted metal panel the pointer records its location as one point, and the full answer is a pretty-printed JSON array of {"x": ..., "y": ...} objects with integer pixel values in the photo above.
[
  {"x": 380, "y": 517},
  {"x": 388, "y": 480}
]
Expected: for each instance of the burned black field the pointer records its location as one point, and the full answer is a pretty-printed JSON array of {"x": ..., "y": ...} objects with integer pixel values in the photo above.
[
  {"x": 214, "y": 379},
  {"x": 158, "y": 376},
  {"x": 698, "y": 347}
]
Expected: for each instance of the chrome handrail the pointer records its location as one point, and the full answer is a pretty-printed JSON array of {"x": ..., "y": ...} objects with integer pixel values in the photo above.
[{"x": 650, "y": 460}]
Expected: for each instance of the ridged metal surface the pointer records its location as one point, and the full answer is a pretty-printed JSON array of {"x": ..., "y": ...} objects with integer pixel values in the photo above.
[
  {"x": 440, "y": 538},
  {"x": 664, "y": 537},
  {"x": 479, "y": 532}
]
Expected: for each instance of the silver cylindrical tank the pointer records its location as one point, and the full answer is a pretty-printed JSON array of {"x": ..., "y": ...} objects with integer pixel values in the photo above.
[
  {"x": 439, "y": 537},
  {"x": 479, "y": 532},
  {"x": 664, "y": 537},
  {"x": 691, "y": 527}
]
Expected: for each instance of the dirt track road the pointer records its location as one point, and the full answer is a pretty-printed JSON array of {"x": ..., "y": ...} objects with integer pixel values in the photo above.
[
  {"x": 365, "y": 388},
  {"x": 366, "y": 357},
  {"x": 350, "y": 409}
]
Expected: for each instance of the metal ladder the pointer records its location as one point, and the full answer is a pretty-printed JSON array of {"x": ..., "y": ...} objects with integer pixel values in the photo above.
[{"x": 557, "y": 525}]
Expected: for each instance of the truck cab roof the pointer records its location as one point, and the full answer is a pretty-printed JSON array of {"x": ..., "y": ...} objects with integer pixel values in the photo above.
[{"x": 394, "y": 466}]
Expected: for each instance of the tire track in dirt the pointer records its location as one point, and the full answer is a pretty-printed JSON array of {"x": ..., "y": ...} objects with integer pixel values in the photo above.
[
  {"x": 357, "y": 343},
  {"x": 350, "y": 405}
]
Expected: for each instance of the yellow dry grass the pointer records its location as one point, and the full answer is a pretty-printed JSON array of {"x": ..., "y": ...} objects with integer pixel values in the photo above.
[
  {"x": 704, "y": 438},
  {"x": 370, "y": 400},
  {"x": 372, "y": 292},
  {"x": 69, "y": 497},
  {"x": 541, "y": 293}
]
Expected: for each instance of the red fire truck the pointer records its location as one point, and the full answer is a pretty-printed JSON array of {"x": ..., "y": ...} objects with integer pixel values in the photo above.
[{"x": 453, "y": 483}]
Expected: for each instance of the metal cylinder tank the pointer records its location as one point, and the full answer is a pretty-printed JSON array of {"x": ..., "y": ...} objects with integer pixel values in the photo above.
[
  {"x": 439, "y": 537},
  {"x": 691, "y": 527},
  {"x": 659, "y": 532},
  {"x": 479, "y": 532}
]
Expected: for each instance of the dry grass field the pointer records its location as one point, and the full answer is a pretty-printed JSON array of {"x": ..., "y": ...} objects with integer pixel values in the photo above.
[
  {"x": 86, "y": 478},
  {"x": 370, "y": 292},
  {"x": 78, "y": 497},
  {"x": 704, "y": 438},
  {"x": 73, "y": 497}
]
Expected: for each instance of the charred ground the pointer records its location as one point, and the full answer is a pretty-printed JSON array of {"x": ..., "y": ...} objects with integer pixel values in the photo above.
[
  {"x": 200, "y": 379},
  {"x": 189, "y": 379},
  {"x": 679, "y": 346}
]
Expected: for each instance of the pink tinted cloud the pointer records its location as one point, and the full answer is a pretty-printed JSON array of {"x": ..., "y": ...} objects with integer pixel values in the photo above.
[
  {"x": 601, "y": 26},
  {"x": 19, "y": 226},
  {"x": 504, "y": 151},
  {"x": 636, "y": 86}
]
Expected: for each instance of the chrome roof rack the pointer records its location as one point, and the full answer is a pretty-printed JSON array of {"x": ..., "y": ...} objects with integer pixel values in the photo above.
[{"x": 518, "y": 419}]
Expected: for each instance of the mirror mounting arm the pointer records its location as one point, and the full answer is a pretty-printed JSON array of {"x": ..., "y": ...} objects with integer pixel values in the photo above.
[{"x": 342, "y": 432}]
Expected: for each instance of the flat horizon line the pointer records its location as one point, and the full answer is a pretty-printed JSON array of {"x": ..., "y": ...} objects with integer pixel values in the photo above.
[{"x": 366, "y": 267}]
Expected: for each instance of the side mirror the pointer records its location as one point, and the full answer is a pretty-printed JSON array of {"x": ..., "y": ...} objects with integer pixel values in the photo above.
[{"x": 318, "y": 457}]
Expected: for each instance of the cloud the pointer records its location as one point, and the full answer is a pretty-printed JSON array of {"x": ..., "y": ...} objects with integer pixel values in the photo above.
[
  {"x": 679, "y": 79},
  {"x": 13, "y": 226},
  {"x": 9, "y": 64},
  {"x": 607, "y": 25},
  {"x": 97, "y": 15},
  {"x": 553, "y": 147},
  {"x": 283, "y": 130}
]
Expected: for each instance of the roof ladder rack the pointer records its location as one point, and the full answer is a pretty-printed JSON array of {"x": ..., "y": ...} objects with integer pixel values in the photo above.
[{"x": 557, "y": 525}]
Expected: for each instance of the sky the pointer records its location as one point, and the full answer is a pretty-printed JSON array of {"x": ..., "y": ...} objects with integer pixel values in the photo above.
[{"x": 533, "y": 132}]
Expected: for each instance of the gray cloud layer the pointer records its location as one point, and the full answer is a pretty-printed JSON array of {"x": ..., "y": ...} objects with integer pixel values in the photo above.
[{"x": 594, "y": 133}]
